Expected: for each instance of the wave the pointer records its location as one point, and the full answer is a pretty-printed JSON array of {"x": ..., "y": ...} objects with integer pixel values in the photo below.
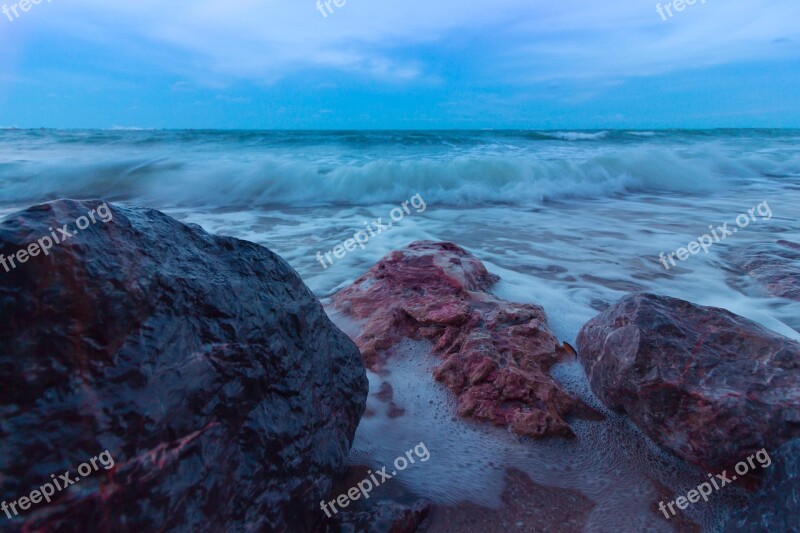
[
  {"x": 128, "y": 128},
  {"x": 255, "y": 179},
  {"x": 165, "y": 168},
  {"x": 577, "y": 136}
]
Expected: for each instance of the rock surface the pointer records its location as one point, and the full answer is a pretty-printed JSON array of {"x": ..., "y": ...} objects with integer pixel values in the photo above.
[
  {"x": 776, "y": 266},
  {"x": 381, "y": 517},
  {"x": 388, "y": 508},
  {"x": 203, "y": 364},
  {"x": 527, "y": 507},
  {"x": 496, "y": 355},
  {"x": 709, "y": 385},
  {"x": 776, "y": 507}
]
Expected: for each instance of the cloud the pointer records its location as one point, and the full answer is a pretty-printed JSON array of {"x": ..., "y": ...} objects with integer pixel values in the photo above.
[{"x": 219, "y": 42}]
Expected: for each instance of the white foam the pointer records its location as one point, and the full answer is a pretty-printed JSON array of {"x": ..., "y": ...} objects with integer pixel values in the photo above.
[
  {"x": 610, "y": 462},
  {"x": 577, "y": 136},
  {"x": 465, "y": 464}
]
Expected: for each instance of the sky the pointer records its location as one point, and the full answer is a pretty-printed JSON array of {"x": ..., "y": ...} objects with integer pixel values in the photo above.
[{"x": 411, "y": 64}]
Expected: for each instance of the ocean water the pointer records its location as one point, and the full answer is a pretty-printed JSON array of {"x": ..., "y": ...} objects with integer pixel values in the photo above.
[{"x": 571, "y": 221}]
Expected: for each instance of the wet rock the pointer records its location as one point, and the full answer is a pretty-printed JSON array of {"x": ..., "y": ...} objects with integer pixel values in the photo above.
[
  {"x": 711, "y": 386},
  {"x": 776, "y": 507},
  {"x": 388, "y": 507},
  {"x": 381, "y": 517},
  {"x": 386, "y": 395},
  {"x": 527, "y": 507},
  {"x": 496, "y": 355},
  {"x": 203, "y": 364},
  {"x": 776, "y": 266}
]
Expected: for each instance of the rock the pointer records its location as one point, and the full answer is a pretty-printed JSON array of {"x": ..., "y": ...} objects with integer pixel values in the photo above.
[
  {"x": 203, "y": 364},
  {"x": 496, "y": 355},
  {"x": 386, "y": 395},
  {"x": 776, "y": 266},
  {"x": 709, "y": 385},
  {"x": 388, "y": 507},
  {"x": 527, "y": 507},
  {"x": 381, "y": 517},
  {"x": 775, "y": 507}
]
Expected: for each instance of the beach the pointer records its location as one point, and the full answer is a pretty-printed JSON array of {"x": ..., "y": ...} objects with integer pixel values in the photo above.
[{"x": 569, "y": 220}]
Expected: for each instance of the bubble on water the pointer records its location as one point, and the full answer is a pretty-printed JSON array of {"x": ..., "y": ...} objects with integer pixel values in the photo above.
[{"x": 463, "y": 464}]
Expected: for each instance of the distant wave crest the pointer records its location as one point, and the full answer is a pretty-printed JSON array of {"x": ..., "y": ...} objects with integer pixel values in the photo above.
[{"x": 577, "y": 136}]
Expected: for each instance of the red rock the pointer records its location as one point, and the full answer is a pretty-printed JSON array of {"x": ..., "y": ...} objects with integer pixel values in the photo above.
[
  {"x": 709, "y": 385},
  {"x": 496, "y": 355}
]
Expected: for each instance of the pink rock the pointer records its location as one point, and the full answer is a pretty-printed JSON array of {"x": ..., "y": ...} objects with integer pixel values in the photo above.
[{"x": 496, "y": 355}]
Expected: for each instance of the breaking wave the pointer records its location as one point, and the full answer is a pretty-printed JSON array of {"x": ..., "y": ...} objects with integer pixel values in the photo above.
[{"x": 298, "y": 169}]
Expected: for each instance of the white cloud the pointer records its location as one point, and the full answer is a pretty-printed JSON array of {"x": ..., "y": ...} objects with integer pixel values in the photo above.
[{"x": 219, "y": 41}]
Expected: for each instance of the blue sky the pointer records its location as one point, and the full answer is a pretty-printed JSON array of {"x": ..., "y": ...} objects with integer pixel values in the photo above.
[{"x": 412, "y": 64}]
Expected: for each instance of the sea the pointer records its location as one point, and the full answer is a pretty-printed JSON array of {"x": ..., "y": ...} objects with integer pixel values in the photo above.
[{"x": 569, "y": 220}]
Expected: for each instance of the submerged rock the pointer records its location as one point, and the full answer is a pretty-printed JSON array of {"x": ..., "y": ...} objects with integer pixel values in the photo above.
[
  {"x": 776, "y": 266},
  {"x": 711, "y": 386},
  {"x": 496, "y": 355},
  {"x": 527, "y": 507},
  {"x": 211, "y": 374},
  {"x": 776, "y": 507}
]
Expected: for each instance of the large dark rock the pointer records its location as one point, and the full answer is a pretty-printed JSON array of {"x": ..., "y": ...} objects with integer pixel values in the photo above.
[
  {"x": 709, "y": 385},
  {"x": 205, "y": 367},
  {"x": 776, "y": 507},
  {"x": 496, "y": 355},
  {"x": 776, "y": 266}
]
